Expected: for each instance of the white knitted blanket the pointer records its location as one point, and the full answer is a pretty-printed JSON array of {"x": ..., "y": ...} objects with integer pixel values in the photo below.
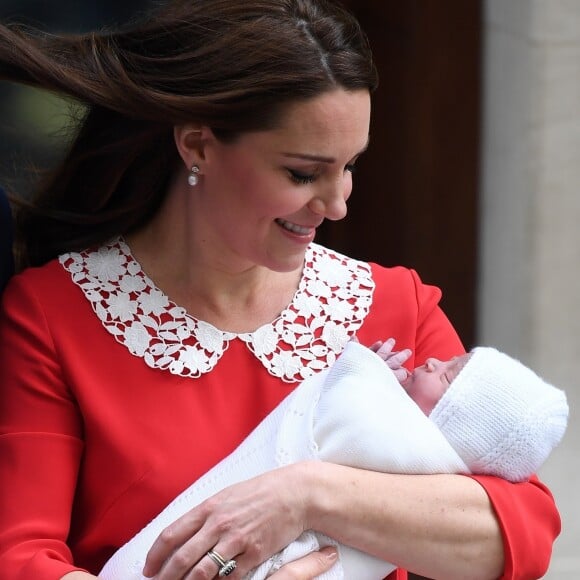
[{"x": 357, "y": 414}]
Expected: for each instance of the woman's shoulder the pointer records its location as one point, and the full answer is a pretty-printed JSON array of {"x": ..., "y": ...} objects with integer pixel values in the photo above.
[
  {"x": 403, "y": 306},
  {"x": 43, "y": 277},
  {"x": 46, "y": 284},
  {"x": 394, "y": 278},
  {"x": 61, "y": 274}
]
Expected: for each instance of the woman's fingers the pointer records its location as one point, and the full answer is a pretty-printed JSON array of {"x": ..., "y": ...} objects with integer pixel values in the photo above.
[
  {"x": 170, "y": 539},
  {"x": 308, "y": 567},
  {"x": 254, "y": 518}
]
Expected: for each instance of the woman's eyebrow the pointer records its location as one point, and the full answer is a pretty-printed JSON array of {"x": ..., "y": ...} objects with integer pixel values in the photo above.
[
  {"x": 308, "y": 157},
  {"x": 322, "y": 158}
]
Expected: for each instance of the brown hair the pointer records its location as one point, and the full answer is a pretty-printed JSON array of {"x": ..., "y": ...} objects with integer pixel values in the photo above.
[{"x": 227, "y": 64}]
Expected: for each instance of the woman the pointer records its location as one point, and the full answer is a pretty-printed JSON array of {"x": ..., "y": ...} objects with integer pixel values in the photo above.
[{"x": 177, "y": 296}]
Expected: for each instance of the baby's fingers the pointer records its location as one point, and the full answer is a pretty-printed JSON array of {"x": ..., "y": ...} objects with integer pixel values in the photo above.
[
  {"x": 397, "y": 359},
  {"x": 383, "y": 349},
  {"x": 401, "y": 374}
]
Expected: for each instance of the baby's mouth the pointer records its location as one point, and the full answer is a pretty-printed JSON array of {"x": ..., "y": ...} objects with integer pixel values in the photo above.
[{"x": 408, "y": 379}]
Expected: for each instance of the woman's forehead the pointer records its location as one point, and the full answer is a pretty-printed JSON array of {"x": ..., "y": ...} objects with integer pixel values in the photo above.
[{"x": 332, "y": 122}]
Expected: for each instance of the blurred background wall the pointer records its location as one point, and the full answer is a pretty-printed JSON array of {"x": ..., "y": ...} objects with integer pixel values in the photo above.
[
  {"x": 471, "y": 178},
  {"x": 529, "y": 268}
]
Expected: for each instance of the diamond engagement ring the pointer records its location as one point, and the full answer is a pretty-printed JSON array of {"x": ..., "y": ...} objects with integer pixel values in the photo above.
[{"x": 225, "y": 567}]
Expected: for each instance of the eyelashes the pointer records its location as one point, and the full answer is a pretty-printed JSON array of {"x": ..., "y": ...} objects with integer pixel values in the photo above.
[
  {"x": 301, "y": 178},
  {"x": 306, "y": 178}
]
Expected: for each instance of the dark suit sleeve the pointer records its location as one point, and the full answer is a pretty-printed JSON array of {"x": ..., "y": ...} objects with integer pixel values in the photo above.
[{"x": 6, "y": 233}]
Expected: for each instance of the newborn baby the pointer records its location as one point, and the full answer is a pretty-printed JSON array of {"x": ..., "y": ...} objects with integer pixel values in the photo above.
[{"x": 483, "y": 412}]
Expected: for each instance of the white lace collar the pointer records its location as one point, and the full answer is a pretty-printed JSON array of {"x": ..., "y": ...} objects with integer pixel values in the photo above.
[{"x": 332, "y": 300}]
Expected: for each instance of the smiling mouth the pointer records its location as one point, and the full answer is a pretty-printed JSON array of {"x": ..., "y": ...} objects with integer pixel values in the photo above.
[{"x": 294, "y": 228}]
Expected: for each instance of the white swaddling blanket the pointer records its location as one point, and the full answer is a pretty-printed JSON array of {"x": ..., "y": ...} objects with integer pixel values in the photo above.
[{"x": 355, "y": 413}]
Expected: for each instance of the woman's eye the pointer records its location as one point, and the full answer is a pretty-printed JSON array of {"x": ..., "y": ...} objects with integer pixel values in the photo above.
[
  {"x": 301, "y": 178},
  {"x": 350, "y": 167}
]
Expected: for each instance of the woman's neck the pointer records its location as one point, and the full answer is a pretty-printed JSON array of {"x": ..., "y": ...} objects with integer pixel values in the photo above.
[{"x": 232, "y": 299}]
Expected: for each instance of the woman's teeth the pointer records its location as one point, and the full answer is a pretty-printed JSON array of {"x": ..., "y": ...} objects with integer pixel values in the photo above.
[{"x": 296, "y": 229}]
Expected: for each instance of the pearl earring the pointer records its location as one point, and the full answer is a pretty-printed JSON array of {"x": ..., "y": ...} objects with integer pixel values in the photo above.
[{"x": 192, "y": 178}]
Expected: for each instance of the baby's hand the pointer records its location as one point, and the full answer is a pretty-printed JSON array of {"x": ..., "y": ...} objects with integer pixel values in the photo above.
[{"x": 394, "y": 359}]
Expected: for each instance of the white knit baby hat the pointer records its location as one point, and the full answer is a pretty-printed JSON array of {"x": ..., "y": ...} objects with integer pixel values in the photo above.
[{"x": 500, "y": 416}]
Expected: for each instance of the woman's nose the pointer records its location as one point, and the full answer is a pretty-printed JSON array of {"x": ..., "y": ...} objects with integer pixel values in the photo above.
[{"x": 331, "y": 202}]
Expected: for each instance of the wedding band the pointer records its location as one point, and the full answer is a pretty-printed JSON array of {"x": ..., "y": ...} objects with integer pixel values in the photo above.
[{"x": 225, "y": 568}]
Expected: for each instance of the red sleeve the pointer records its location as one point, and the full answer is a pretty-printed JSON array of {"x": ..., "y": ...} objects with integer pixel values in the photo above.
[
  {"x": 408, "y": 310},
  {"x": 398, "y": 575},
  {"x": 529, "y": 521},
  {"x": 39, "y": 441}
]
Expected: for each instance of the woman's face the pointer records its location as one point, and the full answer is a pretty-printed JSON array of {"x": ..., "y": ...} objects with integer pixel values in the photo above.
[{"x": 261, "y": 198}]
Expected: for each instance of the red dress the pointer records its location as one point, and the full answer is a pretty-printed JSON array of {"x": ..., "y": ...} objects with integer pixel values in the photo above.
[{"x": 113, "y": 399}]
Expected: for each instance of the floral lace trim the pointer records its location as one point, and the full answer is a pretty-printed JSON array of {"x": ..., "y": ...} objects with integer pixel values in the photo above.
[{"x": 330, "y": 305}]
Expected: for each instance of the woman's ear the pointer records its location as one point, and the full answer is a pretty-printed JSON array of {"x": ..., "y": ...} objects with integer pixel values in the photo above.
[{"x": 191, "y": 140}]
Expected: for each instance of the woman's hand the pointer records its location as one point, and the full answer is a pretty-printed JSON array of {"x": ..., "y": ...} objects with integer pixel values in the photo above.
[
  {"x": 247, "y": 522},
  {"x": 308, "y": 567}
]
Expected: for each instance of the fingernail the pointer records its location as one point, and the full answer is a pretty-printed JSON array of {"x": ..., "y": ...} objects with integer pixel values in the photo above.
[{"x": 331, "y": 554}]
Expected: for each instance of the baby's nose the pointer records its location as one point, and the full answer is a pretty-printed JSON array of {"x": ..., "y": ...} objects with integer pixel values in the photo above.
[{"x": 432, "y": 363}]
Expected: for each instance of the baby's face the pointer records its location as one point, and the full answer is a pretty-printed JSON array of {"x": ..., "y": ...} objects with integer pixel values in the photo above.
[{"x": 427, "y": 383}]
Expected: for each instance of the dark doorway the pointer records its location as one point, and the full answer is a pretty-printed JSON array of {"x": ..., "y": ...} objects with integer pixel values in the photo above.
[{"x": 415, "y": 196}]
